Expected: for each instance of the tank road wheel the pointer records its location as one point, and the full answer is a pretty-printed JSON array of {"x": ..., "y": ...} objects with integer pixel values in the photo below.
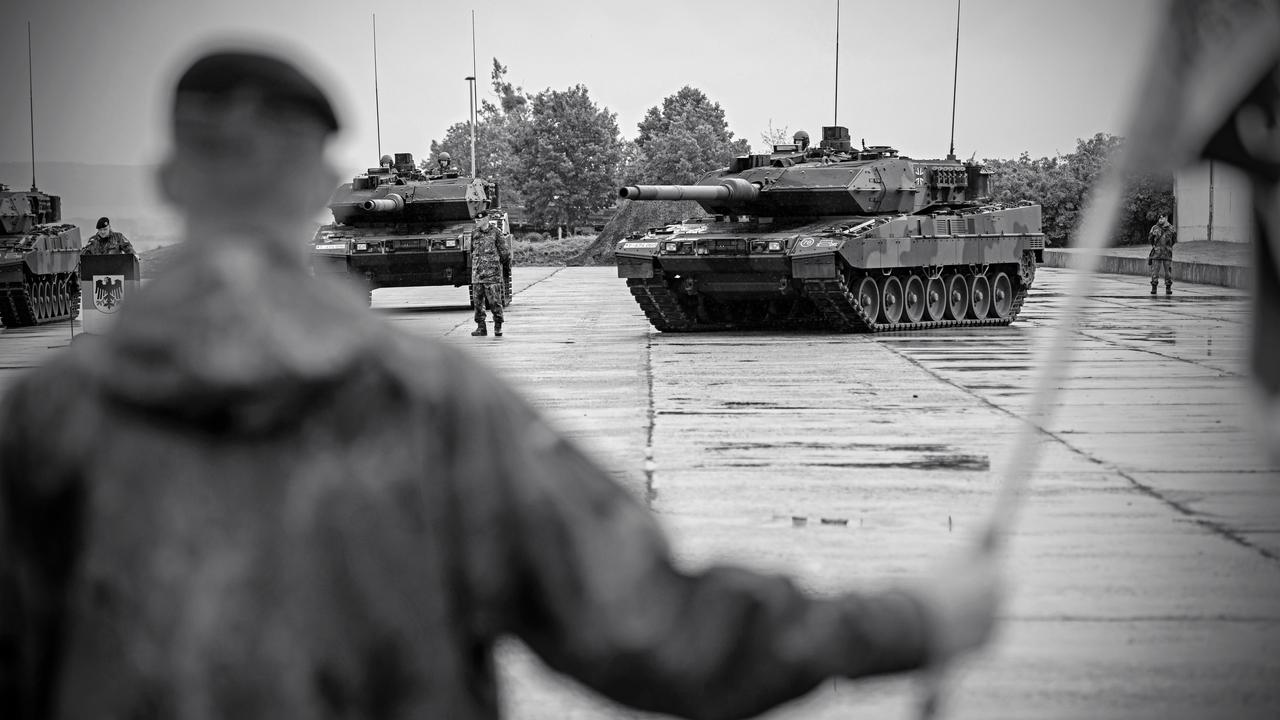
[
  {"x": 979, "y": 297},
  {"x": 957, "y": 297},
  {"x": 914, "y": 299},
  {"x": 1001, "y": 296},
  {"x": 890, "y": 299},
  {"x": 44, "y": 309},
  {"x": 868, "y": 298},
  {"x": 935, "y": 299}
]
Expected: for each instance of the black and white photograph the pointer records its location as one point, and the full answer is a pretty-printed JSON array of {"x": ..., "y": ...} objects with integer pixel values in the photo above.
[{"x": 708, "y": 359}]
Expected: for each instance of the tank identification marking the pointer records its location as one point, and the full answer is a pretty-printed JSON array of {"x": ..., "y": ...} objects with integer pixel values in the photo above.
[
  {"x": 640, "y": 245},
  {"x": 826, "y": 242},
  {"x": 807, "y": 242},
  {"x": 332, "y": 246}
]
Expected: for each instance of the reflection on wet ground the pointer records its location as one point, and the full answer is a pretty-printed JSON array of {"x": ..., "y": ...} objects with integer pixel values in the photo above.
[{"x": 1144, "y": 571}]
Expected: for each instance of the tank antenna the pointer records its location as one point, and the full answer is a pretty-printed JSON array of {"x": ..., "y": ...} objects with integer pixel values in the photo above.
[
  {"x": 31, "y": 104},
  {"x": 474, "y": 92},
  {"x": 377, "y": 113},
  {"x": 951, "y": 154},
  {"x": 835, "y": 103}
]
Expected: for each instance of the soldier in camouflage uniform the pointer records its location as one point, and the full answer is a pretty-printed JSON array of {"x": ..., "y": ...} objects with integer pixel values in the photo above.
[
  {"x": 490, "y": 253},
  {"x": 1163, "y": 237},
  {"x": 107, "y": 241}
]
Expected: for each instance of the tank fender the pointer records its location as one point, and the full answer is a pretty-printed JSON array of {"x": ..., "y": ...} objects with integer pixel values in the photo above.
[
  {"x": 814, "y": 257},
  {"x": 635, "y": 256}
]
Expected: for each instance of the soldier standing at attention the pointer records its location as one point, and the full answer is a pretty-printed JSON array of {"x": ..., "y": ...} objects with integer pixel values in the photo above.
[
  {"x": 1163, "y": 237},
  {"x": 107, "y": 241},
  {"x": 490, "y": 252},
  {"x": 251, "y": 498}
]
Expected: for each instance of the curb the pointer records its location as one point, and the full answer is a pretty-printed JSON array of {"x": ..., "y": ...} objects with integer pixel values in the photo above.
[{"x": 1232, "y": 276}]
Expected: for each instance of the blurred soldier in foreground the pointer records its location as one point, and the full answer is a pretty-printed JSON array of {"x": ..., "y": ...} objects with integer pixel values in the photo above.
[
  {"x": 1163, "y": 237},
  {"x": 1212, "y": 92},
  {"x": 252, "y": 499},
  {"x": 490, "y": 253},
  {"x": 107, "y": 241}
]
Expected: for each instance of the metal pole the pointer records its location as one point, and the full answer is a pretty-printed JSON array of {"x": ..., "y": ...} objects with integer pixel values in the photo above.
[
  {"x": 471, "y": 115},
  {"x": 1210, "y": 200},
  {"x": 955, "y": 79},
  {"x": 835, "y": 103},
  {"x": 473, "y": 93},
  {"x": 31, "y": 105},
  {"x": 377, "y": 112}
]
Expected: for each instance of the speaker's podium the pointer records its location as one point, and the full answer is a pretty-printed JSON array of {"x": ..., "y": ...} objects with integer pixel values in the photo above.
[{"x": 106, "y": 283}]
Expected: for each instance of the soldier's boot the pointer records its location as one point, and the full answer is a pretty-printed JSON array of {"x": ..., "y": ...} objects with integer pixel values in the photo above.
[
  {"x": 1168, "y": 289},
  {"x": 497, "y": 328},
  {"x": 483, "y": 329},
  {"x": 1153, "y": 287}
]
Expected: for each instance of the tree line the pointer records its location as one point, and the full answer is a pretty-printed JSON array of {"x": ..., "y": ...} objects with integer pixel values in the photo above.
[{"x": 560, "y": 157}]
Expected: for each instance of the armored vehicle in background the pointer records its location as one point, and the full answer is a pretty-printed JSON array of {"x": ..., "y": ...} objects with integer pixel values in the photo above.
[
  {"x": 856, "y": 240},
  {"x": 394, "y": 226},
  {"x": 39, "y": 260}
]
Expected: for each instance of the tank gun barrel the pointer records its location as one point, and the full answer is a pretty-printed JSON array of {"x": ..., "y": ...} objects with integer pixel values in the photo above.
[
  {"x": 727, "y": 190},
  {"x": 391, "y": 203}
]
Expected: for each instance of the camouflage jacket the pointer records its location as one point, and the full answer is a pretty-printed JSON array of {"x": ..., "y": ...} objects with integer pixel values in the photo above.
[
  {"x": 1163, "y": 237},
  {"x": 490, "y": 251},
  {"x": 253, "y": 499},
  {"x": 115, "y": 244}
]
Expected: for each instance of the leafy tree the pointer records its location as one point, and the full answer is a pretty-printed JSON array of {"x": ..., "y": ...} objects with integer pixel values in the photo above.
[
  {"x": 774, "y": 136},
  {"x": 1061, "y": 186},
  {"x": 683, "y": 140},
  {"x": 496, "y": 127},
  {"x": 567, "y": 154}
]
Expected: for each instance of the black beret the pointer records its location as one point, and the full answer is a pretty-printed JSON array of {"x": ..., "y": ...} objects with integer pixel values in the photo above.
[
  {"x": 102, "y": 222},
  {"x": 280, "y": 83}
]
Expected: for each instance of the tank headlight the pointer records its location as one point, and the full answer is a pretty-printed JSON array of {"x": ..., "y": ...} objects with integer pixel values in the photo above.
[
  {"x": 671, "y": 247},
  {"x": 451, "y": 243},
  {"x": 775, "y": 246},
  {"x": 362, "y": 246}
]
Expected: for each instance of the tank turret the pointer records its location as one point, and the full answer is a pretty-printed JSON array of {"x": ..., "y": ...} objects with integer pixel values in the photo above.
[
  {"x": 853, "y": 238},
  {"x": 396, "y": 226},
  {"x": 403, "y": 195},
  {"x": 797, "y": 180},
  {"x": 39, "y": 257}
]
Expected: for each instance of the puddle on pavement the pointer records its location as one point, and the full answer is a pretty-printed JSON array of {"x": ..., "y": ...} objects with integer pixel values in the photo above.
[{"x": 910, "y": 456}]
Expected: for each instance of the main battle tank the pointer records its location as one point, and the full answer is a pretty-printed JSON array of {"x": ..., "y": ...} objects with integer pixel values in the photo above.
[
  {"x": 395, "y": 226},
  {"x": 857, "y": 240},
  {"x": 39, "y": 259}
]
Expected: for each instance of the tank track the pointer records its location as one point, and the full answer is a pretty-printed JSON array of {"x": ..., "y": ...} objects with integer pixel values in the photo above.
[
  {"x": 832, "y": 300},
  {"x": 665, "y": 311},
  {"x": 45, "y": 300},
  {"x": 838, "y": 305},
  {"x": 663, "y": 308}
]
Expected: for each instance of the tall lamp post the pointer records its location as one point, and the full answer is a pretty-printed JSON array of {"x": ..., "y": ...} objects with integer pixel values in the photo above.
[{"x": 471, "y": 87}]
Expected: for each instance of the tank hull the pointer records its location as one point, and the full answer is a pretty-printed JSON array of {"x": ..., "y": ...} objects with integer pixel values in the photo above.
[
  {"x": 386, "y": 259},
  {"x": 39, "y": 280},
  {"x": 847, "y": 274}
]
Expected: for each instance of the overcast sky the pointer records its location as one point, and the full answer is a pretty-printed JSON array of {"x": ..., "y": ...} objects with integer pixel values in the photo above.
[{"x": 1034, "y": 75}]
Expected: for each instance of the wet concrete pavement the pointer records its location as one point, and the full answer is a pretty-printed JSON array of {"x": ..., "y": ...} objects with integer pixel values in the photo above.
[{"x": 1145, "y": 568}]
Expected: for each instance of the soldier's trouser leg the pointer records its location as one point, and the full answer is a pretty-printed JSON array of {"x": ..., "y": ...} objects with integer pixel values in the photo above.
[
  {"x": 493, "y": 293},
  {"x": 477, "y": 301},
  {"x": 1165, "y": 268}
]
